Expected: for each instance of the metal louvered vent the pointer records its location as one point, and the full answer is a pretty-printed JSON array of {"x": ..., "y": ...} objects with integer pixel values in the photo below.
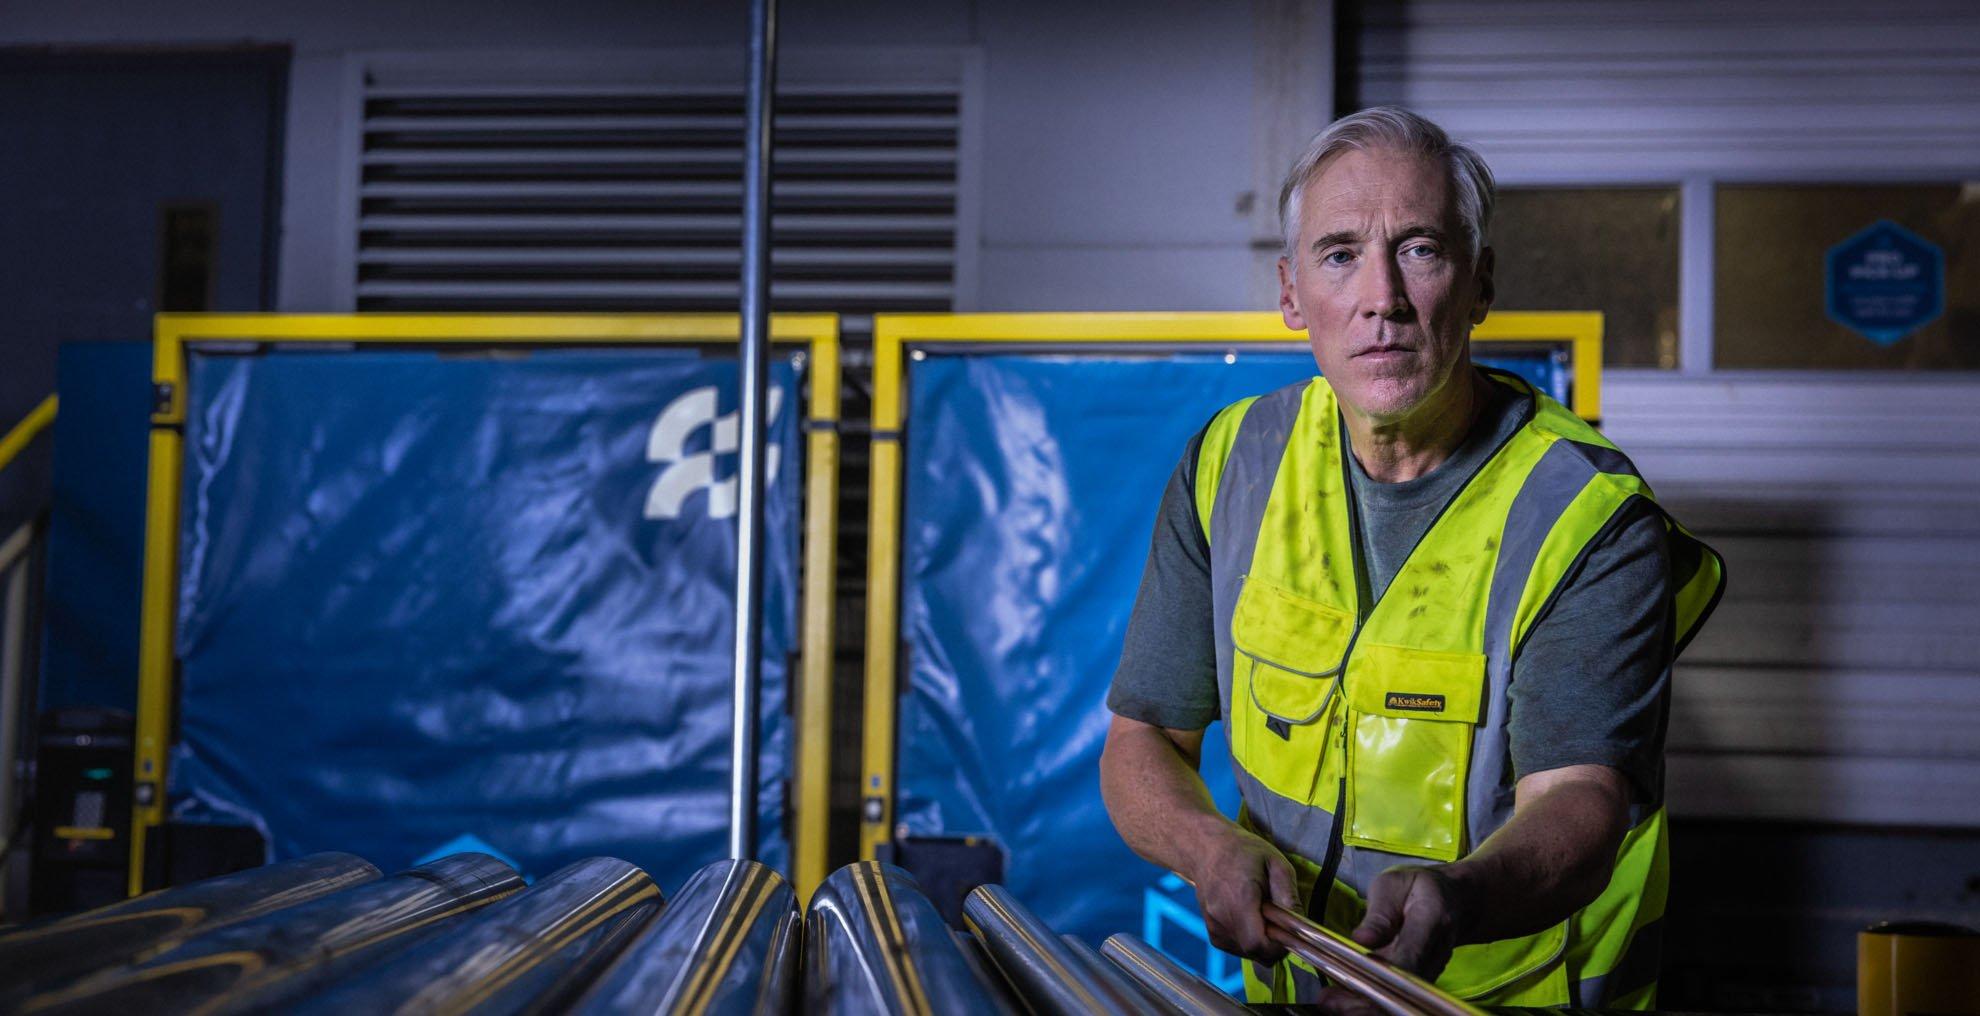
[{"x": 629, "y": 198}]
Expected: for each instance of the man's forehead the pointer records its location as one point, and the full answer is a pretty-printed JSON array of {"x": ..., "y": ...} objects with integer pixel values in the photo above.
[{"x": 1361, "y": 182}]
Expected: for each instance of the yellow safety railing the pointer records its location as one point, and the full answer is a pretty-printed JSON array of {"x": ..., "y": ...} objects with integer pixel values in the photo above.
[
  {"x": 39, "y": 419},
  {"x": 894, "y": 335},
  {"x": 175, "y": 334}
]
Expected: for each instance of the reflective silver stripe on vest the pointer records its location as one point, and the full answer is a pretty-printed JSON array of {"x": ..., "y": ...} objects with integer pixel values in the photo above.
[
  {"x": 1638, "y": 970},
  {"x": 1292, "y": 825},
  {"x": 1553, "y": 484},
  {"x": 1238, "y": 512},
  {"x": 1306, "y": 985},
  {"x": 1236, "y": 515},
  {"x": 1360, "y": 865}
]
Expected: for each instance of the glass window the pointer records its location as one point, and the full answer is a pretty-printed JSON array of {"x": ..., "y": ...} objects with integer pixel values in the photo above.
[
  {"x": 1773, "y": 308},
  {"x": 1612, "y": 249}
]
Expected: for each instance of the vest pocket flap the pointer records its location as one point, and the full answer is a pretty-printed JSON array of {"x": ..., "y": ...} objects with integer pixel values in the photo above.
[
  {"x": 1416, "y": 684},
  {"x": 1276, "y": 626}
]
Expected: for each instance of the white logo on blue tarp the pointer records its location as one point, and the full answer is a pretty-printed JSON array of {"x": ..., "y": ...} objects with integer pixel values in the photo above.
[
  {"x": 1161, "y": 910},
  {"x": 689, "y": 472}
]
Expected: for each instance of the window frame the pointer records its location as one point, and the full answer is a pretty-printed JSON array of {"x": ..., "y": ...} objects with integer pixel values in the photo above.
[{"x": 1697, "y": 220}]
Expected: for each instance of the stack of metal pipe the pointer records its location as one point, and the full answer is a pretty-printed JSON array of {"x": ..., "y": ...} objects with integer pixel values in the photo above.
[{"x": 329, "y": 934}]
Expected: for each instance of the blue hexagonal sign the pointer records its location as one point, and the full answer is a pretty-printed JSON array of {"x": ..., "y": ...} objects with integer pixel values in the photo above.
[{"x": 1885, "y": 282}]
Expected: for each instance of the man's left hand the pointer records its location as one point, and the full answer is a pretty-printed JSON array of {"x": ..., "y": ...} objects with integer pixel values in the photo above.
[{"x": 1415, "y": 917}]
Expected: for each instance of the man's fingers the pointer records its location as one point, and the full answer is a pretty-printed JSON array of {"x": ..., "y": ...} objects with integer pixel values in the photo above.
[
  {"x": 1285, "y": 892},
  {"x": 1236, "y": 925},
  {"x": 1250, "y": 920},
  {"x": 1385, "y": 902},
  {"x": 1248, "y": 916},
  {"x": 1220, "y": 938},
  {"x": 1423, "y": 938},
  {"x": 1412, "y": 939}
]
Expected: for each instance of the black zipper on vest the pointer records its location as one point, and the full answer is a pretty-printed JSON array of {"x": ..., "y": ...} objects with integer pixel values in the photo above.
[{"x": 1323, "y": 886}]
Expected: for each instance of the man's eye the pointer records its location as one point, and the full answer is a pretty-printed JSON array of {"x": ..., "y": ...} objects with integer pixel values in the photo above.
[
  {"x": 1420, "y": 250},
  {"x": 1336, "y": 257}
]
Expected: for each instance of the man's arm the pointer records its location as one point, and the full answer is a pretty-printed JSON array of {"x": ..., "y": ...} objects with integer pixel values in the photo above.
[
  {"x": 1148, "y": 776},
  {"x": 1164, "y": 693},
  {"x": 1552, "y": 858}
]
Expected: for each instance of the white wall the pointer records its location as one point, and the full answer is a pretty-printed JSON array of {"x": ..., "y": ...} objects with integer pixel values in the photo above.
[{"x": 1121, "y": 160}]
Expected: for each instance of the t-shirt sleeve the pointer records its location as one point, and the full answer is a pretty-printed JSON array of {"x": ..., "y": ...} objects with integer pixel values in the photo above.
[
  {"x": 1168, "y": 670},
  {"x": 1592, "y": 683}
]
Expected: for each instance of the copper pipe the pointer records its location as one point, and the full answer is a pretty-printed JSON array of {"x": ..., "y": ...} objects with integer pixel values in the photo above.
[{"x": 1345, "y": 962}]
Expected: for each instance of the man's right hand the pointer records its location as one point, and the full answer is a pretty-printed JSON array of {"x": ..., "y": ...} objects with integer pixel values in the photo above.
[
  {"x": 1235, "y": 876},
  {"x": 1164, "y": 812}
]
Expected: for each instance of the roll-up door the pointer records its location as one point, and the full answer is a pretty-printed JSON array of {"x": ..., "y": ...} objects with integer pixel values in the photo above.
[{"x": 1611, "y": 90}]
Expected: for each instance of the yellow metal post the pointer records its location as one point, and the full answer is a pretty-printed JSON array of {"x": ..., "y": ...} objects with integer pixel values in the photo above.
[
  {"x": 813, "y": 766},
  {"x": 883, "y": 576},
  {"x": 1580, "y": 330},
  {"x": 158, "y": 590}
]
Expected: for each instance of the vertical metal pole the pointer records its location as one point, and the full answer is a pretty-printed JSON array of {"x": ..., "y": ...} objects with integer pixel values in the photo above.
[
  {"x": 15, "y": 556},
  {"x": 762, "y": 86}
]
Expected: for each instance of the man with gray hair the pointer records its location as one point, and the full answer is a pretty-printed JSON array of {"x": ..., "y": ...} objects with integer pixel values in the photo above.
[{"x": 1436, "y": 612}]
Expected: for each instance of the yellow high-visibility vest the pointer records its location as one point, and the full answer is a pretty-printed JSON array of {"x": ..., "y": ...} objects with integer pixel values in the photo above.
[{"x": 1368, "y": 733}]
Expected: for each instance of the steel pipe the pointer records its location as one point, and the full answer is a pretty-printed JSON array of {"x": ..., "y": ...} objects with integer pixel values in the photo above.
[
  {"x": 1347, "y": 963},
  {"x": 292, "y": 949},
  {"x": 762, "y": 87},
  {"x": 1115, "y": 978},
  {"x": 43, "y": 956},
  {"x": 874, "y": 943},
  {"x": 1048, "y": 976},
  {"x": 531, "y": 952},
  {"x": 979, "y": 964},
  {"x": 1168, "y": 980},
  {"x": 726, "y": 944}
]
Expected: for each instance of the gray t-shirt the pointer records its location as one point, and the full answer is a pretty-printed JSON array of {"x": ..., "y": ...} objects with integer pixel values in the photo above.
[{"x": 1590, "y": 685}]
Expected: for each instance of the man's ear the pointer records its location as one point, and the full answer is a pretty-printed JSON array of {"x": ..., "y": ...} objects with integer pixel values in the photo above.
[
  {"x": 1486, "y": 291},
  {"x": 1288, "y": 300}
]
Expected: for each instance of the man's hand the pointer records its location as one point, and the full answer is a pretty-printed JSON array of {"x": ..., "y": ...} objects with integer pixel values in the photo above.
[
  {"x": 1238, "y": 873},
  {"x": 1164, "y": 812},
  {"x": 1553, "y": 858},
  {"x": 1415, "y": 918}
]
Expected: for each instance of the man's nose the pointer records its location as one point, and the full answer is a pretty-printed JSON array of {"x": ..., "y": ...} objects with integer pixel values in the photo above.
[{"x": 1385, "y": 296}]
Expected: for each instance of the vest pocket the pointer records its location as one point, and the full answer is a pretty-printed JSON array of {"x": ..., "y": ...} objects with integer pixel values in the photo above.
[
  {"x": 1411, "y": 714},
  {"x": 1287, "y": 662},
  {"x": 1300, "y": 642}
]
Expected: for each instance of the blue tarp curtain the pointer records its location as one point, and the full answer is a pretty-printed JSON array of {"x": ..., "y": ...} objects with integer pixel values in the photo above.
[{"x": 432, "y": 600}]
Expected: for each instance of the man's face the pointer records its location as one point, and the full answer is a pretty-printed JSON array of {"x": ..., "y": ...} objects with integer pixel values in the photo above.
[{"x": 1385, "y": 285}]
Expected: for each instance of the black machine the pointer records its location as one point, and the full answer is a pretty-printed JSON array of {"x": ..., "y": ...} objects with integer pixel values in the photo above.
[{"x": 81, "y": 813}]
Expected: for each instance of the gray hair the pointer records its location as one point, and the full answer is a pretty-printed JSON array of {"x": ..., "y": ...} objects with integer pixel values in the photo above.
[{"x": 1392, "y": 127}]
